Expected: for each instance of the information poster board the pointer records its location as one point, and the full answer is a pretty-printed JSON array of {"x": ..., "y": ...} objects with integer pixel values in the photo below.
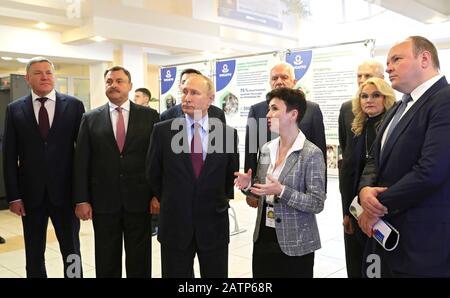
[
  {"x": 327, "y": 75},
  {"x": 241, "y": 83},
  {"x": 170, "y": 79}
]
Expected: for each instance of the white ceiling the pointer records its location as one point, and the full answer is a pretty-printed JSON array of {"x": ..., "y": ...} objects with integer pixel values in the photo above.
[
  {"x": 425, "y": 11},
  {"x": 171, "y": 30}
]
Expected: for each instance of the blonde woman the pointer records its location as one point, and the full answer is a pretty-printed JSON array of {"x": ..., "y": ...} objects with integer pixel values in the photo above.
[{"x": 373, "y": 99}]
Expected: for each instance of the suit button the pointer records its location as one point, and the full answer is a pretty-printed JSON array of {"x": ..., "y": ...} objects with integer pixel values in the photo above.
[
  {"x": 121, "y": 155},
  {"x": 121, "y": 175},
  {"x": 278, "y": 220}
]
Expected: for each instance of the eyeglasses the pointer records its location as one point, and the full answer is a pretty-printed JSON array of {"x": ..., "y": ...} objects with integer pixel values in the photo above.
[{"x": 375, "y": 95}]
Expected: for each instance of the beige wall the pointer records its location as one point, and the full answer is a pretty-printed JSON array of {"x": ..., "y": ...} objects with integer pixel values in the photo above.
[
  {"x": 176, "y": 7},
  {"x": 74, "y": 70},
  {"x": 153, "y": 84}
]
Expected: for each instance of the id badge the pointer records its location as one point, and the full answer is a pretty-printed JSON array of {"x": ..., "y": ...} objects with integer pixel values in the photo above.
[{"x": 270, "y": 217}]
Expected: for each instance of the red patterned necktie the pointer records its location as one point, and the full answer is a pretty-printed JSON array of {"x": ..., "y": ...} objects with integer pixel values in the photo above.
[
  {"x": 197, "y": 150},
  {"x": 44, "y": 123},
  {"x": 120, "y": 129}
]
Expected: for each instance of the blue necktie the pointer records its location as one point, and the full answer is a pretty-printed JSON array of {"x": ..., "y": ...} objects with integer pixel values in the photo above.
[
  {"x": 401, "y": 109},
  {"x": 396, "y": 119}
]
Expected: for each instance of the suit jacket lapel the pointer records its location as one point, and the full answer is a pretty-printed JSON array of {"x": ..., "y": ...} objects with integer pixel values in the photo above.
[
  {"x": 185, "y": 153},
  {"x": 106, "y": 119},
  {"x": 211, "y": 145},
  {"x": 60, "y": 107},
  {"x": 407, "y": 118},
  {"x": 27, "y": 107},
  {"x": 290, "y": 162},
  {"x": 131, "y": 125}
]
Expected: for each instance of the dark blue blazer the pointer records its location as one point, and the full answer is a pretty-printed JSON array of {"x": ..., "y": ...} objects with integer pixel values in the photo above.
[
  {"x": 347, "y": 143},
  {"x": 311, "y": 125},
  {"x": 416, "y": 169},
  {"x": 32, "y": 164},
  {"x": 192, "y": 209}
]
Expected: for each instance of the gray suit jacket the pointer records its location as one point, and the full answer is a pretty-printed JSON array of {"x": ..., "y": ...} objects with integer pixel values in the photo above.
[{"x": 304, "y": 195}]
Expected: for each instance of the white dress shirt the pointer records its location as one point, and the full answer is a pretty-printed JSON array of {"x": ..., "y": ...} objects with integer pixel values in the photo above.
[
  {"x": 204, "y": 122},
  {"x": 114, "y": 114},
  {"x": 274, "y": 146},
  {"x": 49, "y": 105},
  {"x": 415, "y": 95}
]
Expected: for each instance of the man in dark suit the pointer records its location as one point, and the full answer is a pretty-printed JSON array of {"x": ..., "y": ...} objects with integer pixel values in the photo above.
[
  {"x": 281, "y": 75},
  {"x": 176, "y": 111},
  {"x": 142, "y": 97},
  {"x": 191, "y": 165},
  {"x": 407, "y": 183},
  {"x": 354, "y": 244},
  {"x": 39, "y": 140},
  {"x": 110, "y": 186}
]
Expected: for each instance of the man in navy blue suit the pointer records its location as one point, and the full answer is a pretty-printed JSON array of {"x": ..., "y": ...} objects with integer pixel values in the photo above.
[
  {"x": 39, "y": 140},
  {"x": 192, "y": 177},
  {"x": 407, "y": 183}
]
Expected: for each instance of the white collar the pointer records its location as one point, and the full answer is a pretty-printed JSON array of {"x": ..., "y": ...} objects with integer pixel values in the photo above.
[
  {"x": 50, "y": 96},
  {"x": 125, "y": 106},
  {"x": 275, "y": 144},
  {"x": 204, "y": 122},
  {"x": 421, "y": 89}
]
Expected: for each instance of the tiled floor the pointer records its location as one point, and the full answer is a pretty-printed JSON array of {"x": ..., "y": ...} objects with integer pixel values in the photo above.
[{"x": 329, "y": 260}]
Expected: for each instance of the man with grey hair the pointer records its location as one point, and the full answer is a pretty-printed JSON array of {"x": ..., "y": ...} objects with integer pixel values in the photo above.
[
  {"x": 354, "y": 239},
  {"x": 39, "y": 140},
  {"x": 281, "y": 75}
]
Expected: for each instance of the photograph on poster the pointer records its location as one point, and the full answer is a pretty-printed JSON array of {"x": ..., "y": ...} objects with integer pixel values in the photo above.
[{"x": 229, "y": 103}]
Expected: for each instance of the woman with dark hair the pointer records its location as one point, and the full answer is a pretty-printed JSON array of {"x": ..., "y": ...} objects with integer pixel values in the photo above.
[{"x": 290, "y": 186}]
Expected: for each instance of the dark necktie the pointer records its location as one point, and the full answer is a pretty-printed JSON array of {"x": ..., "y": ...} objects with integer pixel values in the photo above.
[
  {"x": 120, "y": 129},
  {"x": 44, "y": 123},
  {"x": 396, "y": 119},
  {"x": 196, "y": 150},
  {"x": 398, "y": 114}
]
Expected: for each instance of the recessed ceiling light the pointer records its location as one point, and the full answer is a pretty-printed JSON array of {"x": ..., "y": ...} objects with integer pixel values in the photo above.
[
  {"x": 7, "y": 58},
  {"x": 436, "y": 20},
  {"x": 98, "y": 38},
  {"x": 227, "y": 51},
  {"x": 42, "y": 26},
  {"x": 209, "y": 55},
  {"x": 23, "y": 60}
]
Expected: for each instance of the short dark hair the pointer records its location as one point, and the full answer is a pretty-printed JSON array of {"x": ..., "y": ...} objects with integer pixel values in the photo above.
[
  {"x": 421, "y": 44},
  {"x": 294, "y": 99},
  {"x": 189, "y": 70},
  {"x": 145, "y": 91},
  {"x": 118, "y": 68}
]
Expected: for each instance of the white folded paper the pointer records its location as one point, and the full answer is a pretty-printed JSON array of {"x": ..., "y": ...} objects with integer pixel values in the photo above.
[{"x": 383, "y": 232}]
